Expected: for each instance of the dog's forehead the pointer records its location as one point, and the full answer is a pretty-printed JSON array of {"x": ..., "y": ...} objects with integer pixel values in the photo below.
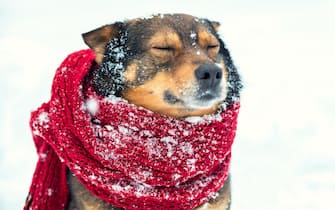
[
  {"x": 181, "y": 23},
  {"x": 175, "y": 19}
]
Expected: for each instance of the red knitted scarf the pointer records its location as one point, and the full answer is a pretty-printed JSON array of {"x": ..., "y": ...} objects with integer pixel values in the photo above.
[{"x": 126, "y": 155}]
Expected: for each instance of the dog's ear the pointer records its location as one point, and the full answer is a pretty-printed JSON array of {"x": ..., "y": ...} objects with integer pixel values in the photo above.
[
  {"x": 216, "y": 25},
  {"x": 98, "y": 38}
]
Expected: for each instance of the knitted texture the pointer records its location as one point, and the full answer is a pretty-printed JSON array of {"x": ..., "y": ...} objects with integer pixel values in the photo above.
[{"x": 124, "y": 154}]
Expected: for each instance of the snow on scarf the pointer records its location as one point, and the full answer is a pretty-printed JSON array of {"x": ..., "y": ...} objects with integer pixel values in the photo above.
[{"x": 126, "y": 155}]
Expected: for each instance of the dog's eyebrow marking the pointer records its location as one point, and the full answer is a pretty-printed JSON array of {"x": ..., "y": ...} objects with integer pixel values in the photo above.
[
  {"x": 206, "y": 38},
  {"x": 166, "y": 38}
]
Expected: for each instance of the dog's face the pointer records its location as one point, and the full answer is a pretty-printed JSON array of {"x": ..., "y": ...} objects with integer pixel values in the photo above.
[{"x": 174, "y": 65}]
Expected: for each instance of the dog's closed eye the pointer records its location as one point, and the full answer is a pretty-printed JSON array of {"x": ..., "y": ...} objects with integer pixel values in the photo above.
[
  {"x": 164, "y": 48},
  {"x": 163, "y": 52},
  {"x": 211, "y": 47}
]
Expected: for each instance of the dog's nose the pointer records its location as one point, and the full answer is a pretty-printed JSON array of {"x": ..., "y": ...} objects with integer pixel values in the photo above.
[{"x": 209, "y": 76}]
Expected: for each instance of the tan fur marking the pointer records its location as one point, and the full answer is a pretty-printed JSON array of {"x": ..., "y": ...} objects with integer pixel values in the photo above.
[
  {"x": 107, "y": 32},
  {"x": 130, "y": 73},
  {"x": 207, "y": 40},
  {"x": 165, "y": 39},
  {"x": 99, "y": 54}
]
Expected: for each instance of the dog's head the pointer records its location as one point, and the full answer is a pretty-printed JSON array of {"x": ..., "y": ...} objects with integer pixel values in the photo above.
[{"x": 174, "y": 65}]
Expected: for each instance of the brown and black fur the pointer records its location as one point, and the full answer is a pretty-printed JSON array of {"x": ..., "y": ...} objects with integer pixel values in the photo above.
[{"x": 174, "y": 65}]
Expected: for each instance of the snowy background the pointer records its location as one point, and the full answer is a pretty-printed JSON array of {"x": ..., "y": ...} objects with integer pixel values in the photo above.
[{"x": 284, "y": 154}]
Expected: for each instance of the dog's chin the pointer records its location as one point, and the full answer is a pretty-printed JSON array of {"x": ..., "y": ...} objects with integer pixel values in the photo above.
[
  {"x": 203, "y": 99},
  {"x": 196, "y": 102},
  {"x": 203, "y": 102}
]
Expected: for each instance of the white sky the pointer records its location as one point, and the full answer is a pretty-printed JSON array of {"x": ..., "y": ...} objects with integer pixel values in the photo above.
[{"x": 283, "y": 154}]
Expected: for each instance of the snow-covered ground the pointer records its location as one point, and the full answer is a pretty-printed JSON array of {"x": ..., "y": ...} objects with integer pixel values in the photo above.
[{"x": 284, "y": 154}]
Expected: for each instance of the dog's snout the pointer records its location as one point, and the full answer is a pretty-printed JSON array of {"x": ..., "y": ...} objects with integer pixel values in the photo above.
[{"x": 208, "y": 76}]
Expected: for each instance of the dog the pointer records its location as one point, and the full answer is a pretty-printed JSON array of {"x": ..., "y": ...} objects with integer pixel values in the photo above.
[{"x": 174, "y": 65}]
